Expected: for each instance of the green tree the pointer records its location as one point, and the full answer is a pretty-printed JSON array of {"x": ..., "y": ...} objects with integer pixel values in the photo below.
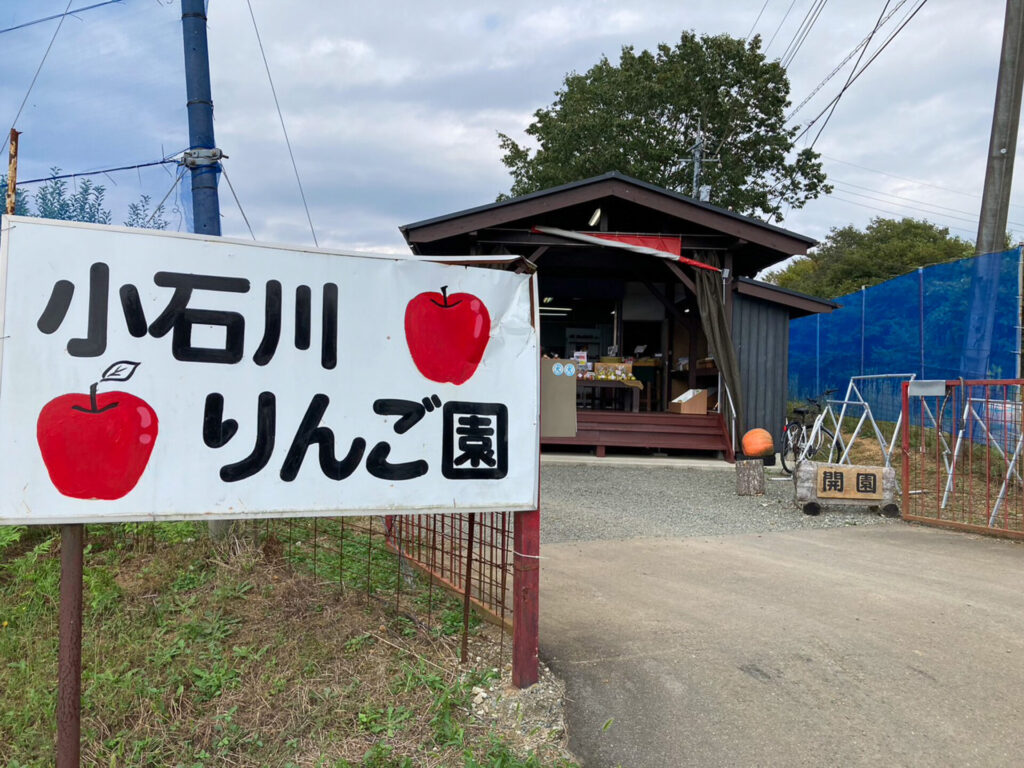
[
  {"x": 54, "y": 200},
  {"x": 141, "y": 217},
  {"x": 645, "y": 115},
  {"x": 85, "y": 203},
  {"x": 20, "y": 203},
  {"x": 850, "y": 258}
]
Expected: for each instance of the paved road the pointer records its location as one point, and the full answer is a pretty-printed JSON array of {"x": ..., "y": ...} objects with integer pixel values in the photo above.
[{"x": 862, "y": 645}]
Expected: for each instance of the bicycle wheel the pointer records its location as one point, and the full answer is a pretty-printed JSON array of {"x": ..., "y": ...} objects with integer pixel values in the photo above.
[
  {"x": 821, "y": 448},
  {"x": 792, "y": 444}
]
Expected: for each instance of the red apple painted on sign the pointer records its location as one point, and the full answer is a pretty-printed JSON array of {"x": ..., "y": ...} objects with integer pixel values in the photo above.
[
  {"x": 96, "y": 446},
  {"x": 447, "y": 334}
]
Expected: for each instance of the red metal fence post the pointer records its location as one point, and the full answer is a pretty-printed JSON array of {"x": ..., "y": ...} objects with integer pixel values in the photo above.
[{"x": 525, "y": 602}]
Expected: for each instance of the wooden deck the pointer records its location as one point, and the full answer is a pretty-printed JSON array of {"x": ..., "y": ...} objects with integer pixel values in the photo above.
[{"x": 620, "y": 429}]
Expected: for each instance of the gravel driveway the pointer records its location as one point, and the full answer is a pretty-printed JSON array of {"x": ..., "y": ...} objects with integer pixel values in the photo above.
[
  {"x": 697, "y": 628},
  {"x": 588, "y": 502}
]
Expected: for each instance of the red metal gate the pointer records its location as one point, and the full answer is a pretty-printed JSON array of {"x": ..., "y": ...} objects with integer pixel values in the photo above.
[{"x": 962, "y": 455}]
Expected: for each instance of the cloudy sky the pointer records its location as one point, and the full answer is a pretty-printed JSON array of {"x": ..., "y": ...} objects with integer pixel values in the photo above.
[{"x": 392, "y": 108}]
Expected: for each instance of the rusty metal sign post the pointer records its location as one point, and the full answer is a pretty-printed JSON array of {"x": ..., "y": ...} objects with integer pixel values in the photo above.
[
  {"x": 12, "y": 172},
  {"x": 69, "y": 654},
  {"x": 69, "y": 620}
]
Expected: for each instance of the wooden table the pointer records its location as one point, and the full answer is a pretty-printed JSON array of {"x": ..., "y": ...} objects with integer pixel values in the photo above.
[{"x": 634, "y": 388}]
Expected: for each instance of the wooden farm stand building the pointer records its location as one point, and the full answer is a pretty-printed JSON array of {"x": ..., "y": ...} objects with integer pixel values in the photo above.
[{"x": 601, "y": 250}]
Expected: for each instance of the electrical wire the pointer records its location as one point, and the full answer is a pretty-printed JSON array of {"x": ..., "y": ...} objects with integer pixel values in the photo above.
[
  {"x": 859, "y": 72},
  {"x": 237, "y": 202},
  {"x": 968, "y": 218},
  {"x": 165, "y": 161},
  {"x": 908, "y": 179},
  {"x": 893, "y": 213},
  {"x": 849, "y": 79},
  {"x": 174, "y": 185},
  {"x": 754, "y": 25},
  {"x": 841, "y": 64},
  {"x": 899, "y": 197},
  {"x": 40, "y": 67},
  {"x": 280, "y": 117},
  {"x": 809, "y": 20},
  {"x": 59, "y": 15},
  {"x": 819, "y": 4},
  {"x": 913, "y": 204},
  {"x": 776, "y": 32}
]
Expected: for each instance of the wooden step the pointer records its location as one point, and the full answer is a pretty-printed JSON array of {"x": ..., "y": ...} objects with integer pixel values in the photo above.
[{"x": 610, "y": 429}]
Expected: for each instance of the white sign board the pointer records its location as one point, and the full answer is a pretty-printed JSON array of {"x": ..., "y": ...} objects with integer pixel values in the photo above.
[{"x": 150, "y": 376}]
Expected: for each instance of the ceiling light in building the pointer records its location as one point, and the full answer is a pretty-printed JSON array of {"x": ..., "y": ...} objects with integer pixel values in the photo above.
[{"x": 595, "y": 217}]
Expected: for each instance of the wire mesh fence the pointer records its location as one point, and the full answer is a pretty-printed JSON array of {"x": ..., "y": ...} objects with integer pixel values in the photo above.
[
  {"x": 424, "y": 564},
  {"x": 961, "y": 458},
  {"x": 467, "y": 554}
]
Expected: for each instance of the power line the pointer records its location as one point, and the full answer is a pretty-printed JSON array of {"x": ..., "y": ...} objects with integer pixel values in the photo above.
[
  {"x": 754, "y": 25},
  {"x": 174, "y": 186},
  {"x": 849, "y": 79},
  {"x": 59, "y": 15},
  {"x": 909, "y": 180},
  {"x": 968, "y": 218},
  {"x": 810, "y": 19},
  {"x": 237, "y": 201},
  {"x": 859, "y": 72},
  {"x": 165, "y": 161},
  {"x": 40, "y": 67},
  {"x": 892, "y": 212},
  {"x": 856, "y": 73},
  {"x": 901, "y": 178},
  {"x": 841, "y": 64},
  {"x": 284, "y": 130},
  {"x": 776, "y": 32},
  {"x": 899, "y": 197}
]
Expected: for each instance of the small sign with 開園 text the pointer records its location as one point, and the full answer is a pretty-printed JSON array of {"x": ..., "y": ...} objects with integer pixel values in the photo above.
[{"x": 842, "y": 481}]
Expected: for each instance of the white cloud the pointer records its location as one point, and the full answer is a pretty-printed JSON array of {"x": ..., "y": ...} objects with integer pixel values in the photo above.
[{"x": 393, "y": 107}]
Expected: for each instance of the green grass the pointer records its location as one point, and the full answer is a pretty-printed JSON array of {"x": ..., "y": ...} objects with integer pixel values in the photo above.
[{"x": 195, "y": 657}]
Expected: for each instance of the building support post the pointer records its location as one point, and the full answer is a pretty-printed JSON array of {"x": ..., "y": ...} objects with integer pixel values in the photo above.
[{"x": 525, "y": 603}]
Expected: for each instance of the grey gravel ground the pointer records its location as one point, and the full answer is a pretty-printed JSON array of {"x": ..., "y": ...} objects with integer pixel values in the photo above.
[{"x": 587, "y": 502}]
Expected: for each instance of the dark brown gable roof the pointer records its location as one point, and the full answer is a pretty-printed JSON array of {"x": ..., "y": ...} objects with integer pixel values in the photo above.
[{"x": 753, "y": 241}]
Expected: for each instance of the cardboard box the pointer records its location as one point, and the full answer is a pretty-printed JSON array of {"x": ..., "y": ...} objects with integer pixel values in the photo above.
[{"x": 692, "y": 401}]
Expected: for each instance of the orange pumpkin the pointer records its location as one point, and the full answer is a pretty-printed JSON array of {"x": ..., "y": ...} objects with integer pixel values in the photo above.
[{"x": 757, "y": 443}]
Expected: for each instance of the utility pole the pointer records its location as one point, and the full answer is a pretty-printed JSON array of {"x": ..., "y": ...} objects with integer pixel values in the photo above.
[
  {"x": 1003, "y": 140},
  {"x": 202, "y": 157},
  {"x": 698, "y": 149}
]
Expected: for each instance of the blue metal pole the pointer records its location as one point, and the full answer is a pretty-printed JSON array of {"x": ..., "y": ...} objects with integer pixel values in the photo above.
[{"x": 204, "y": 167}]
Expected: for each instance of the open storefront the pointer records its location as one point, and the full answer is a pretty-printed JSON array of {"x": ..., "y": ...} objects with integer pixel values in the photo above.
[{"x": 648, "y": 298}]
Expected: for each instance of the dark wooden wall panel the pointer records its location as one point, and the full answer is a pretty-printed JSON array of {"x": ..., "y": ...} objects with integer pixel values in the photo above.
[{"x": 761, "y": 335}]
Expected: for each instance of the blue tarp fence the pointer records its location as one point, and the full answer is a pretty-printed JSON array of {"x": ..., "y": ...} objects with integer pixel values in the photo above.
[{"x": 948, "y": 321}]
